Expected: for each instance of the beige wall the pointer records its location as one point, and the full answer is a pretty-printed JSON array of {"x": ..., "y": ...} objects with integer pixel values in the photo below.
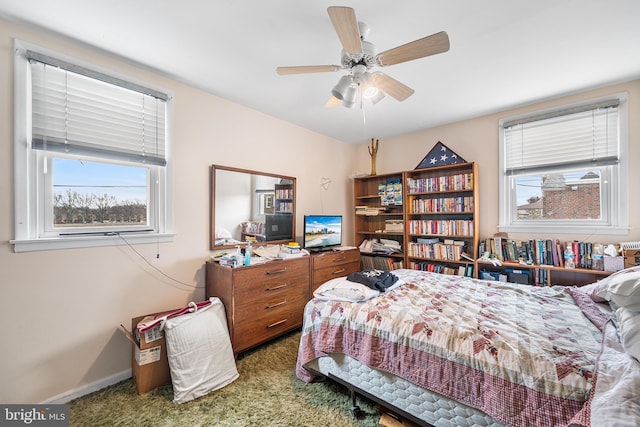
[{"x": 60, "y": 310}]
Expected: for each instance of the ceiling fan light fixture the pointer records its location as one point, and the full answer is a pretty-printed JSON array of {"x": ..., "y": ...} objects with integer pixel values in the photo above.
[
  {"x": 346, "y": 104},
  {"x": 350, "y": 97},
  {"x": 340, "y": 90},
  {"x": 379, "y": 95},
  {"x": 370, "y": 91}
]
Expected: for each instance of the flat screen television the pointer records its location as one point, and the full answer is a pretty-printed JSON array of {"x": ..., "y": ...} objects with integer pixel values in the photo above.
[{"x": 322, "y": 232}]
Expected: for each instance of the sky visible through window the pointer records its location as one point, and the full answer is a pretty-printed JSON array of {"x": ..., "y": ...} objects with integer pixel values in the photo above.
[{"x": 126, "y": 183}]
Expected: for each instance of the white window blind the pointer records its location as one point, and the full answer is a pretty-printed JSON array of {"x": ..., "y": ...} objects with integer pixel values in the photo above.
[
  {"x": 583, "y": 137},
  {"x": 77, "y": 112}
]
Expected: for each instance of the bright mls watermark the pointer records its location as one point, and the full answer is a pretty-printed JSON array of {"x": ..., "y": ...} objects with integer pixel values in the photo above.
[{"x": 34, "y": 415}]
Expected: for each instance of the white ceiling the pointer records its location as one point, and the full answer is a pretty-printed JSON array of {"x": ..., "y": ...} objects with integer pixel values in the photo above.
[{"x": 504, "y": 53}]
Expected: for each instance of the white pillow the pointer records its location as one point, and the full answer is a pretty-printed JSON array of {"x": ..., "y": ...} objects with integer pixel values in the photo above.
[
  {"x": 622, "y": 288},
  {"x": 199, "y": 350},
  {"x": 341, "y": 289},
  {"x": 629, "y": 329}
]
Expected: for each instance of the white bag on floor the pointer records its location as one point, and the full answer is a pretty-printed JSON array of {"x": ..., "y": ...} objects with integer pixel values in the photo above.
[{"x": 199, "y": 351}]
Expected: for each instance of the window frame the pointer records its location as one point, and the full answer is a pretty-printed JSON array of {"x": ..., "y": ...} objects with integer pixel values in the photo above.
[
  {"x": 614, "y": 185},
  {"x": 29, "y": 184}
]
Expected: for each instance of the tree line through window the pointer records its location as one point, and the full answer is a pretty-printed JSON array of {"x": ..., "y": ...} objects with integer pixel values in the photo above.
[{"x": 74, "y": 208}]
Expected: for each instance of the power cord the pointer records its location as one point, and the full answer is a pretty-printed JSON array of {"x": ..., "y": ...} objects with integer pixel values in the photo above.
[{"x": 189, "y": 285}]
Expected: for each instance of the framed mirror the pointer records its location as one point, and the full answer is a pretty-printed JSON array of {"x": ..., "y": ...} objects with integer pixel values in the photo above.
[{"x": 251, "y": 204}]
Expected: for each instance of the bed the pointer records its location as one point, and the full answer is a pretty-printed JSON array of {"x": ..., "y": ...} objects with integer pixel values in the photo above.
[{"x": 453, "y": 351}]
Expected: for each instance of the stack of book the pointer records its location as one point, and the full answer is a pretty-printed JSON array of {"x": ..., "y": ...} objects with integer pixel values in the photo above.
[
  {"x": 382, "y": 246},
  {"x": 454, "y": 270},
  {"x": 368, "y": 210},
  {"x": 380, "y": 263}
]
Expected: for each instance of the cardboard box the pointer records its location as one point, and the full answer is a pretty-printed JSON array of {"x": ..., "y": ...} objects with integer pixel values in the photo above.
[
  {"x": 149, "y": 363},
  {"x": 631, "y": 257}
]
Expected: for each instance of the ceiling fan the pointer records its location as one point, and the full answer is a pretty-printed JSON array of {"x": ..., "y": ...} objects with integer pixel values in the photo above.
[{"x": 359, "y": 57}]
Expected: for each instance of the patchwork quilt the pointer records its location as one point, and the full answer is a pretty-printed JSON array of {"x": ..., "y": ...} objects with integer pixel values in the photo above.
[{"x": 524, "y": 355}]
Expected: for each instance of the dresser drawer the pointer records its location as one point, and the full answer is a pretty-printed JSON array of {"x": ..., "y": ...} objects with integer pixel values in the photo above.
[
  {"x": 329, "y": 265},
  {"x": 323, "y": 274},
  {"x": 329, "y": 259},
  {"x": 271, "y": 306},
  {"x": 269, "y": 281},
  {"x": 258, "y": 329}
]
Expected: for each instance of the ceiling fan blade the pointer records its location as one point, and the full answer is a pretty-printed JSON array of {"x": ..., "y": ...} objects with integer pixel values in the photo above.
[
  {"x": 333, "y": 102},
  {"x": 426, "y": 46},
  {"x": 307, "y": 69},
  {"x": 346, "y": 25},
  {"x": 391, "y": 86}
]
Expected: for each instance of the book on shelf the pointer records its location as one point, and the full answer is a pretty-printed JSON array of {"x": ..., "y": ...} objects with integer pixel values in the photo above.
[
  {"x": 458, "y": 182},
  {"x": 427, "y": 240},
  {"x": 550, "y": 252},
  {"x": 445, "y": 227},
  {"x": 435, "y": 267},
  {"x": 466, "y": 256},
  {"x": 454, "y": 242},
  {"x": 441, "y": 251},
  {"x": 390, "y": 193},
  {"x": 380, "y": 263},
  {"x": 369, "y": 210}
]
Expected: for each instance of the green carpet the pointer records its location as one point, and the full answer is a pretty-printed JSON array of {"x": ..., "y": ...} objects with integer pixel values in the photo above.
[{"x": 267, "y": 393}]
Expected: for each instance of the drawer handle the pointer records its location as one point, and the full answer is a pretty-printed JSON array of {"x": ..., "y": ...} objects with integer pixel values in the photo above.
[
  {"x": 275, "y": 288},
  {"x": 339, "y": 259},
  {"x": 276, "y": 271},
  {"x": 278, "y": 304},
  {"x": 273, "y": 325},
  {"x": 342, "y": 270}
]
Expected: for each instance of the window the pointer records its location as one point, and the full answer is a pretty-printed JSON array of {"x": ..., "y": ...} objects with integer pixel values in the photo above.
[
  {"x": 564, "y": 170},
  {"x": 91, "y": 156}
]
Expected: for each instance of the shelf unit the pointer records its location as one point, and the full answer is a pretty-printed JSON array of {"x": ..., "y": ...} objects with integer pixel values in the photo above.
[
  {"x": 442, "y": 203},
  {"x": 442, "y": 218},
  {"x": 439, "y": 203},
  {"x": 283, "y": 201},
  {"x": 367, "y": 192},
  {"x": 550, "y": 276}
]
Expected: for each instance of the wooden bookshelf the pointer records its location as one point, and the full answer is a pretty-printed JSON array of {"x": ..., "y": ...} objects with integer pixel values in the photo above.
[
  {"x": 439, "y": 203},
  {"x": 283, "y": 201},
  {"x": 545, "y": 275},
  {"x": 371, "y": 223},
  {"x": 442, "y": 218},
  {"x": 542, "y": 261}
]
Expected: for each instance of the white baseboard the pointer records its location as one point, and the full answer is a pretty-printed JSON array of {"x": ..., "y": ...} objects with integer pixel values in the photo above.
[{"x": 89, "y": 388}]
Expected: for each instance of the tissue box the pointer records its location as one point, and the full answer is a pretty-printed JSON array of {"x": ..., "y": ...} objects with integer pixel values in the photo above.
[{"x": 613, "y": 263}]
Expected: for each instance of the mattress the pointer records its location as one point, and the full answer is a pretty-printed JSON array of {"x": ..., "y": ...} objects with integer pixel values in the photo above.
[{"x": 423, "y": 404}]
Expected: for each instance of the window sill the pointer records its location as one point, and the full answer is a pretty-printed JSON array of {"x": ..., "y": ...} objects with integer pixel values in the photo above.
[
  {"x": 54, "y": 243},
  {"x": 564, "y": 229}
]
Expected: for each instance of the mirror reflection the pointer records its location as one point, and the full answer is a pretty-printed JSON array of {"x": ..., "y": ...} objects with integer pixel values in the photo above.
[{"x": 251, "y": 205}]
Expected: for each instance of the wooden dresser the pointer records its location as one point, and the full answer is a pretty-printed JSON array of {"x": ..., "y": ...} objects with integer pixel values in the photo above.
[
  {"x": 329, "y": 265},
  {"x": 262, "y": 301}
]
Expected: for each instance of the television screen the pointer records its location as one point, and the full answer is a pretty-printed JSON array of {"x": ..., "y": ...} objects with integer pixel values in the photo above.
[
  {"x": 322, "y": 231},
  {"x": 278, "y": 227}
]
